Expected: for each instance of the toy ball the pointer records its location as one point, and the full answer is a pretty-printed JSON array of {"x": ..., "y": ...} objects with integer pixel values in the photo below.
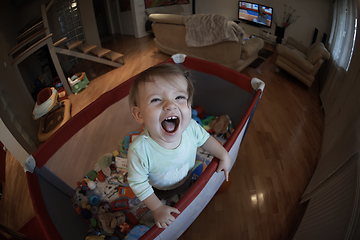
[
  {"x": 91, "y": 185},
  {"x": 198, "y": 169}
]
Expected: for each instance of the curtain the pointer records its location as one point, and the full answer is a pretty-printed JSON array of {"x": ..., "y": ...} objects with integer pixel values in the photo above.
[
  {"x": 341, "y": 45},
  {"x": 340, "y": 96}
]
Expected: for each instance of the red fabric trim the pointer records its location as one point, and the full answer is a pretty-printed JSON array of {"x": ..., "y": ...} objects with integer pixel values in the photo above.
[
  {"x": 47, "y": 226},
  {"x": 2, "y": 162},
  {"x": 32, "y": 230}
]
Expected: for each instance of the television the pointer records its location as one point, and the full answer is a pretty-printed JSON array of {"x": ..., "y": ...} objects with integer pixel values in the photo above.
[{"x": 255, "y": 14}]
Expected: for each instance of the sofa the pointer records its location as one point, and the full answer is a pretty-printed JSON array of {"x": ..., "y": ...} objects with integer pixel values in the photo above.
[
  {"x": 170, "y": 31},
  {"x": 300, "y": 61}
]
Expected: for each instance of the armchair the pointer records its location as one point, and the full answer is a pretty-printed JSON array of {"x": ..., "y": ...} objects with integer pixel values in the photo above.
[{"x": 301, "y": 62}]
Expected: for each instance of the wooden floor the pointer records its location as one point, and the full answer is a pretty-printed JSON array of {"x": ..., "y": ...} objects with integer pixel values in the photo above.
[{"x": 276, "y": 160}]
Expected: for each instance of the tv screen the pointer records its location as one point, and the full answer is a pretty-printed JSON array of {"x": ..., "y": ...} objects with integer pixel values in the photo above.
[{"x": 255, "y": 14}]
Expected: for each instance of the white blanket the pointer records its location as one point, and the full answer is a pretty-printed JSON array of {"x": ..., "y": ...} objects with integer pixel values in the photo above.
[{"x": 208, "y": 29}]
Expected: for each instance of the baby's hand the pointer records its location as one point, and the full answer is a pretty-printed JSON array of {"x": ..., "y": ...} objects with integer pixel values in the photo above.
[
  {"x": 163, "y": 217},
  {"x": 224, "y": 165}
]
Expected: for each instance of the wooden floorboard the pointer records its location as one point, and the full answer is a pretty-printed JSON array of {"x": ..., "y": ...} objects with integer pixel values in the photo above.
[{"x": 275, "y": 163}]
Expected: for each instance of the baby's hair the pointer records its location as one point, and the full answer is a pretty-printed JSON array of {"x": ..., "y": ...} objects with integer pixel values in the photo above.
[{"x": 166, "y": 71}]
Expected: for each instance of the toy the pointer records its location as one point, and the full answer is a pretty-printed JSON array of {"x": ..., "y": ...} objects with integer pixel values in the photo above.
[
  {"x": 95, "y": 237},
  {"x": 78, "y": 82},
  {"x": 126, "y": 192},
  {"x": 86, "y": 214},
  {"x": 143, "y": 215},
  {"x": 100, "y": 176},
  {"x": 194, "y": 115},
  {"x": 109, "y": 221},
  {"x": 60, "y": 89},
  {"x": 125, "y": 227},
  {"x": 82, "y": 185},
  {"x": 129, "y": 138},
  {"x": 121, "y": 162},
  {"x": 206, "y": 122},
  {"x": 122, "y": 204},
  {"x": 198, "y": 169},
  {"x": 80, "y": 196},
  {"x": 109, "y": 191},
  {"x": 220, "y": 124},
  {"x": 105, "y": 160},
  {"x": 94, "y": 200},
  {"x": 200, "y": 111},
  {"x": 116, "y": 153},
  {"x": 92, "y": 175},
  {"x": 137, "y": 232}
]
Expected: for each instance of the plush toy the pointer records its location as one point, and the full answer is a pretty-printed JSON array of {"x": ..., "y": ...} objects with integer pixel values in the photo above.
[
  {"x": 143, "y": 215},
  {"x": 194, "y": 115},
  {"x": 206, "y": 122},
  {"x": 109, "y": 221},
  {"x": 80, "y": 196},
  {"x": 220, "y": 124},
  {"x": 95, "y": 237}
]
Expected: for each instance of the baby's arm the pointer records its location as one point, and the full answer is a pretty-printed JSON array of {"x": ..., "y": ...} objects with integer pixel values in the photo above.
[
  {"x": 216, "y": 149},
  {"x": 162, "y": 213}
]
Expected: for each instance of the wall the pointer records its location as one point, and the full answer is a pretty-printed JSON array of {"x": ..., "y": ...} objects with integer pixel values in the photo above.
[
  {"x": 17, "y": 114},
  {"x": 89, "y": 22},
  {"x": 127, "y": 24},
  {"x": 313, "y": 14}
]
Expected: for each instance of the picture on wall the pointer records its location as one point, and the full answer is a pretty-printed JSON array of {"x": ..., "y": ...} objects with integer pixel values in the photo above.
[{"x": 159, "y": 3}]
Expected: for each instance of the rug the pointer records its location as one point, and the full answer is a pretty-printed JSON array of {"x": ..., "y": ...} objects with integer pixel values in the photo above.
[
  {"x": 264, "y": 53},
  {"x": 257, "y": 63}
]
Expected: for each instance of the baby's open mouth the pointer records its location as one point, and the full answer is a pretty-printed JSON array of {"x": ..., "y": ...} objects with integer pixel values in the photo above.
[{"x": 170, "y": 124}]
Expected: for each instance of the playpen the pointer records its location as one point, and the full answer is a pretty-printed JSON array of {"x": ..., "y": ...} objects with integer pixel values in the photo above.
[{"x": 56, "y": 166}]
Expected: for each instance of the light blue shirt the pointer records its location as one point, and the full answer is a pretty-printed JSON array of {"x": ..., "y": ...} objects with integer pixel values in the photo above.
[{"x": 149, "y": 164}]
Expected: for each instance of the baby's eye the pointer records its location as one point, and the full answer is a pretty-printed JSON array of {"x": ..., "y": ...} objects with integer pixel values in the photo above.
[
  {"x": 155, "y": 100},
  {"x": 180, "y": 97}
]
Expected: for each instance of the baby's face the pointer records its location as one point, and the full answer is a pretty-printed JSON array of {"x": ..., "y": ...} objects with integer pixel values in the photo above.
[{"x": 164, "y": 109}]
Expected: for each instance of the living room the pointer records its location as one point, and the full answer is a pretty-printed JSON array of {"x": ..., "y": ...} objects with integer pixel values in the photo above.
[{"x": 264, "y": 72}]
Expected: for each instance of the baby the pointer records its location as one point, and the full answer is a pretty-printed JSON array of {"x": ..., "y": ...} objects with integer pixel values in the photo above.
[{"x": 160, "y": 160}]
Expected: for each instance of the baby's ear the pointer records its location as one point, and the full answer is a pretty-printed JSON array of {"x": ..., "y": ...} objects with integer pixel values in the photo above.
[{"x": 137, "y": 115}]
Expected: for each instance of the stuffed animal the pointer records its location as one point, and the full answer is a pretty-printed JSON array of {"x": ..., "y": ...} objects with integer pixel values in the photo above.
[
  {"x": 220, "y": 124},
  {"x": 109, "y": 221},
  {"x": 143, "y": 215},
  {"x": 80, "y": 196},
  {"x": 95, "y": 237}
]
